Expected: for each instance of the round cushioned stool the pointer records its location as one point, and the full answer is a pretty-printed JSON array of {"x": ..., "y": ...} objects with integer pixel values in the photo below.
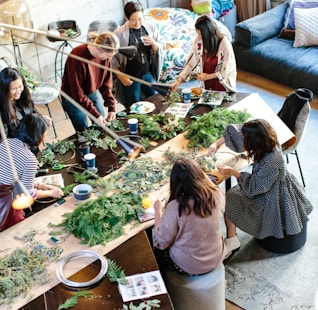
[
  {"x": 197, "y": 292},
  {"x": 288, "y": 244}
]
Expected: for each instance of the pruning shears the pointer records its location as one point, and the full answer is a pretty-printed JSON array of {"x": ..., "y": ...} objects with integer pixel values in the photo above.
[{"x": 62, "y": 166}]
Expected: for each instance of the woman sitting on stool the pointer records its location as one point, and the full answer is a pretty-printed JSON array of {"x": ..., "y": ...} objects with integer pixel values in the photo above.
[
  {"x": 269, "y": 201},
  {"x": 189, "y": 230}
]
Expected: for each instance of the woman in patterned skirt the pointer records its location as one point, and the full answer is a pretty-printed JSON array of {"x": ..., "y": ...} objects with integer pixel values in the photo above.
[{"x": 269, "y": 201}]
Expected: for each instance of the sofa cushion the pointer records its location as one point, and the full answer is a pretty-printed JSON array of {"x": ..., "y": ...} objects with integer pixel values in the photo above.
[
  {"x": 288, "y": 30},
  {"x": 306, "y": 27},
  {"x": 277, "y": 60},
  {"x": 261, "y": 27}
]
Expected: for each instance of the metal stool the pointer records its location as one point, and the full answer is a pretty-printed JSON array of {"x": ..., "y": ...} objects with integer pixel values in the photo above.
[
  {"x": 44, "y": 94},
  {"x": 62, "y": 27},
  {"x": 288, "y": 244},
  {"x": 197, "y": 292}
]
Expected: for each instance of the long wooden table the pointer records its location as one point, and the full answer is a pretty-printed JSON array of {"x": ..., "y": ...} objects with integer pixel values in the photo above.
[
  {"x": 52, "y": 214},
  {"x": 134, "y": 256}
]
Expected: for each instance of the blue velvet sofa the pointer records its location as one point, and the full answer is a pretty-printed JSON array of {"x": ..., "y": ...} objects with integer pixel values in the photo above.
[{"x": 259, "y": 49}]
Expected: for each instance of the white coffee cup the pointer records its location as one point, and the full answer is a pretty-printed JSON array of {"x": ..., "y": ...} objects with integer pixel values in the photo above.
[
  {"x": 186, "y": 95},
  {"x": 90, "y": 160},
  {"x": 133, "y": 126}
]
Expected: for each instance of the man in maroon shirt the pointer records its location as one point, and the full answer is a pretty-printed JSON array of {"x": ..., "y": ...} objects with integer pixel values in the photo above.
[{"x": 83, "y": 82}]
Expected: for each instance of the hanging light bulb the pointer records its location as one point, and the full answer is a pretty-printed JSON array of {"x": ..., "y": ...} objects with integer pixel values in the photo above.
[{"x": 22, "y": 198}]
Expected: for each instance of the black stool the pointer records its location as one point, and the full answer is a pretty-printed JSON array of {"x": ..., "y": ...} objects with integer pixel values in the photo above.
[
  {"x": 98, "y": 26},
  {"x": 63, "y": 26},
  {"x": 288, "y": 244}
]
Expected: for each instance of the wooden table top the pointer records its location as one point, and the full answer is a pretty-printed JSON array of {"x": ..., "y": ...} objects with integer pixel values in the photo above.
[
  {"x": 252, "y": 103},
  {"x": 133, "y": 256}
]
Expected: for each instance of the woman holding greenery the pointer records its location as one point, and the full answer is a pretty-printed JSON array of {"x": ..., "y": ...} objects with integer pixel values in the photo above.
[
  {"x": 189, "y": 230},
  {"x": 213, "y": 52}
]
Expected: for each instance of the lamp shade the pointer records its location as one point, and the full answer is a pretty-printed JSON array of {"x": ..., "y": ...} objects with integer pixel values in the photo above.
[{"x": 15, "y": 12}]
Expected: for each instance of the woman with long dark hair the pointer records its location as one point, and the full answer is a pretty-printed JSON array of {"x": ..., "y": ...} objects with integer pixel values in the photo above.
[
  {"x": 29, "y": 133},
  {"x": 15, "y": 100},
  {"x": 213, "y": 51},
  {"x": 146, "y": 65},
  {"x": 269, "y": 201},
  {"x": 189, "y": 230}
]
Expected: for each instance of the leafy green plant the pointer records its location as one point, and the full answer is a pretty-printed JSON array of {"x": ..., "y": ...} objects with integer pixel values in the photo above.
[
  {"x": 30, "y": 78},
  {"x": 72, "y": 301},
  {"x": 100, "y": 220},
  {"x": 47, "y": 156},
  {"x": 115, "y": 273},
  {"x": 61, "y": 146},
  {"x": 159, "y": 126},
  {"x": 145, "y": 305},
  {"x": 95, "y": 137},
  {"x": 25, "y": 266},
  {"x": 210, "y": 126},
  {"x": 116, "y": 125}
]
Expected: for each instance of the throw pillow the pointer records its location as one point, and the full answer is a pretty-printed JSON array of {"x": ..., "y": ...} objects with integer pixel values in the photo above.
[
  {"x": 306, "y": 27},
  {"x": 288, "y": 30},
  {"x": 201, "y": 6}
]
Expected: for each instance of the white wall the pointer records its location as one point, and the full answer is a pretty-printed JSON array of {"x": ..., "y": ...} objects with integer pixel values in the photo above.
[
  {"x": 83, "y": 11},
  {"x": 45, "y": 11}
]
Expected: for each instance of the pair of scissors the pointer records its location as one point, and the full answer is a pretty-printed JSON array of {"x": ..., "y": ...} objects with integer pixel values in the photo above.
[{"x": 58, "y": 166}]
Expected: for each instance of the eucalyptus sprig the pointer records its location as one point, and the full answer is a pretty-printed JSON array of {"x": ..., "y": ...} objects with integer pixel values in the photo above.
[
  {"x": 145, "y": 305},
  {"x": 142, "y": 175}
]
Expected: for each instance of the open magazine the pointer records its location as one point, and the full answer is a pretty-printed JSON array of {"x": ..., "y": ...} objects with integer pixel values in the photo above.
[
  {"x": 179, "y": 109},
  {"x": 51, "y": 179},
  {"x": 142, "y": 285}
]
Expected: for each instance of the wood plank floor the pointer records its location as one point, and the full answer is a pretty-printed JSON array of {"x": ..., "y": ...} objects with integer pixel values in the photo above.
[
  {"x": 64, "y": 128},
  {"x": 276, "y": 88}
]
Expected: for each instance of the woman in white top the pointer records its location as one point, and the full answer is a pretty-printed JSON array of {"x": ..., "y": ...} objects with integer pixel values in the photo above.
[{"x": 213, "y": 51}]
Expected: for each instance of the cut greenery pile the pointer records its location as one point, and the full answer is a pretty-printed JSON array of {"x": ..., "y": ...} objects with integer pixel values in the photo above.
[
  {"x": 210, "y": 127},
  {"x": 103, "y": 219},
  {"x": 159, "y": 126},
  {"x": 100, "y": 220},
  {"x": 25, "y": 267}
]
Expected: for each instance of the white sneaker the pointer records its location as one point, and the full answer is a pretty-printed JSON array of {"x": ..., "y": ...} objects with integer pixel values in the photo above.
[{"x": 231, "y": 246}]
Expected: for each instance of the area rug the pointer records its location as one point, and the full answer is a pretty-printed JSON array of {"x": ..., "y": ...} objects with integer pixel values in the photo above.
[{"x": 258, "y": 279}]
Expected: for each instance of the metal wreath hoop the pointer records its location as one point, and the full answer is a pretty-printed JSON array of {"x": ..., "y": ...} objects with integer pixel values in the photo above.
[{"x": 80, "y": 254}]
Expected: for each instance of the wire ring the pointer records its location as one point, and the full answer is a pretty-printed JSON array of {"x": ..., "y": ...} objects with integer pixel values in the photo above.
[{"x": 77, "y": 254}]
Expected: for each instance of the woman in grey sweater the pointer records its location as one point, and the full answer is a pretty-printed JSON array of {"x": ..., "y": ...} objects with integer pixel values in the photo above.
[{"x": 189, "y": 230}]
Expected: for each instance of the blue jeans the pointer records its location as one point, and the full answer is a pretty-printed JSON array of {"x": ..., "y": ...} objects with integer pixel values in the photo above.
[
  {"x": 132, "y": 92},
  {"x": 77, "y": 117}
]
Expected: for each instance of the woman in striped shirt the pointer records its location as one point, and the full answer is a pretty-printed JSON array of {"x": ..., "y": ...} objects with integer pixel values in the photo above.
[{"x": 30, "y": 133}]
